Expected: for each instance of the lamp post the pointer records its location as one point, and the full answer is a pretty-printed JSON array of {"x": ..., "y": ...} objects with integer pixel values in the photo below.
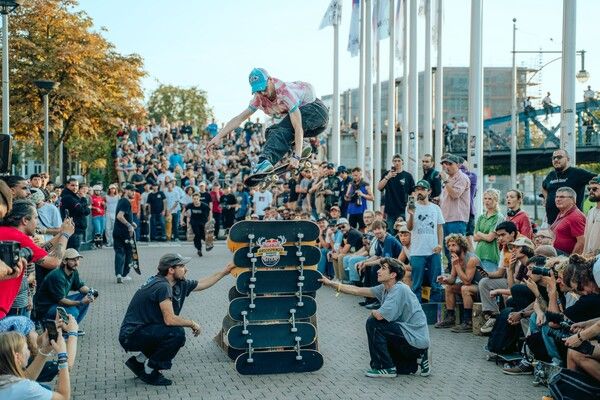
[
  {"x": 45, "y": 88},
  {"x": 6, "y": 7}
]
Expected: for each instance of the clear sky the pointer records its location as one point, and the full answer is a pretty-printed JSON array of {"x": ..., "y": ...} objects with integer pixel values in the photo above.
[{"x": 215, "y": 44}]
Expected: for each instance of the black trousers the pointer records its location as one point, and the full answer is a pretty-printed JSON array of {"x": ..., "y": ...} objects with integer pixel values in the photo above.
[
  {"x": 160, "y": 343},
  {"x": 199, "y": 233},
  {"x": 389, "y": 348}
]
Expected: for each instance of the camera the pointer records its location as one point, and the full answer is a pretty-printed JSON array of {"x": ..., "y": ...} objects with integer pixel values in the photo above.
[
  {"x": 11, "y": 251},
  {"x": 543, "y": 271},
  {"x": 559, "y": 334},
  {"x": 92, "y": 293}
]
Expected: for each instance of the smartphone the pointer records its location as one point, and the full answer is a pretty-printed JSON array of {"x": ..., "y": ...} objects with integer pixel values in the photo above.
[
  {"x": 50, "y": 326},
  {"x": 482, "y": 271},
  {"x": 66, "y": 213},
  {"x": 63, "y": 314},
  {"x": 411, "y": 202}
]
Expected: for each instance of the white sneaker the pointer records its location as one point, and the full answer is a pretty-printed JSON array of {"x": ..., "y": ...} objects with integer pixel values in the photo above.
[
  {"x": 119, "y": 279},
  {"x": 488, "y": 326},
  {"x": 127, "y": 278}
]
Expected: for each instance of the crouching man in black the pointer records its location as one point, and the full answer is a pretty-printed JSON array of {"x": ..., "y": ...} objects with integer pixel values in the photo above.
[
  {"x": 398, "y": 326},
  {"x": 152, "y": 324}
]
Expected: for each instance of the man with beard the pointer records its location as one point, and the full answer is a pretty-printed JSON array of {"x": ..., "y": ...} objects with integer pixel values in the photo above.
[
  {"x": 592, "y": 225},
  {"x": 243, "y": 201},
  {"x": 197, "y": 214},
  {"x": 357, "y": 194},
  {"x": 563, "y": 175},
  {"x": 124, "y": 230},
  {"x": 345, "y": 181},
  {"x": 152, "y": 324},
  {"x": 77, "y": 208},
  {"x": 431, "y": 175},
  {"x": 229, "y": 206},
  {"x": 398, "y": 185}
]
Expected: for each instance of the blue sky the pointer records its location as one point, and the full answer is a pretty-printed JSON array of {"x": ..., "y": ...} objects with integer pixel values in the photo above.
[{"x": 215, "y": 44}]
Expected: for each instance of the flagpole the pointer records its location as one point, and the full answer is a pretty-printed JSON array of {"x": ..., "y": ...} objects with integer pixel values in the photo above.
[
  {"x": 377, "y": 106},
  {"x": 335, "y": 151},
  {"x": 413, "y": 93},
  {"x": 369, "y": 90},
  {"x": 405, "y": 129},
  {"x": 391, "y": 111},
  {"x": 427, "y": 117},
  {"x": 361, "y": 88},
  {"x": 439, "y": 89}
]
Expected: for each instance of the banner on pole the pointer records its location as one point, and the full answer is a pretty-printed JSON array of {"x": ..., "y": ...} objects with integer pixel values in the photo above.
[
  {"x": 399, "y": 26},
  {"x": 333, "y": 15},
  {"x": 354, "y": 36},
  {"x": 381, "y": 18}
]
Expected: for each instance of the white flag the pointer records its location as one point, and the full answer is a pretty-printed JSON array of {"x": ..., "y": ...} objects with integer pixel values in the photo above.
[
  {"x": 381, "y": 18},
  {"x": 354, "y": 37},
  {"x": 333, "y": 15},
  {"x": 399, "y": 26}
]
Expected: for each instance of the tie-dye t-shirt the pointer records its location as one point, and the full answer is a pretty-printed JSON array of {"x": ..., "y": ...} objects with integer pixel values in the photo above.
[{"x": 288, "y": 97}]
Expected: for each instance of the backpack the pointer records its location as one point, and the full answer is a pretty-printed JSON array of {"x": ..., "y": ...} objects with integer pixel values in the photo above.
[
  {"x": 569, "y": 384},
  {"x": 504, "y": 338}
]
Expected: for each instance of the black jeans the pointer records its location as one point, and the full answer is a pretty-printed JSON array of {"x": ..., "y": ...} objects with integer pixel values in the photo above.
[
  {"x": 521, "y": 297},
  {"x": 199, "y": 233},
  {"x": 122, "y": 256},
  {"x": 384, "y": 336},
  {"x": 356, "y": 221},
  {"x": 74, "y": 241},
  {"x": 280, "y": 137},
  {"x": 160, "y": 343}
]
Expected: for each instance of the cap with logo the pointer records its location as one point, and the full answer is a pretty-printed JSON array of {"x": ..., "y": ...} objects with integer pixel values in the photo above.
[
  {"x": 258, "y": 79},
  {"x": 172, "y": 259},
  {"x": 424, "y": 184},
  {"x": 71, "y": 254},
  {"x": 523, "y": 242}
]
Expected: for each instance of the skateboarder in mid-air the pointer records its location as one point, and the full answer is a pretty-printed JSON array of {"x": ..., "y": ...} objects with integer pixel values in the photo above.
[{"x": 307, "y": 116}]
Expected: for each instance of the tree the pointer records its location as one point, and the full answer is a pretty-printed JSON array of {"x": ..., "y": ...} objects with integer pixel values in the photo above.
[
  {"x": 179, "y": 104},
  {"x": 98, "y": 87}
]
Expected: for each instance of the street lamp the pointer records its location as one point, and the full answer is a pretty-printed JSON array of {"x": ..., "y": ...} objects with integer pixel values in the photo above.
[
  {"x": 582, "y": 76},
  {"x": 45, "y": 88},
  {"x": 6, "y": 7}
]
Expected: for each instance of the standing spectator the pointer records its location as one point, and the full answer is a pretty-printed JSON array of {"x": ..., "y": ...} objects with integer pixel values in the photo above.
[
  {"x": 261, "y": 200},
  {"x": 357, "y": 195},
  {"x": 514, "y": 200},
  {"x": 18, "y": 186},
  {"x": 328, "y": 188},
  {"x": 547, "y": 105},
  {"x": 124, "y": 230},
  {"x": 204, "y": 195},
  {"x": 176, "y": 159},
  {"x": 215, "y": 195},
  {"x": 212, "y": 129},
  {"x": 136, "y": 210},
  {"x": 398, "y": 185},
  {"x": 228, "y": 206},
  {"x": 563, "y": 175},
  {"x": 197, "y": 214},
  {"x": 485, "y": 231},
  {"x": 303, "y": 189},
  {"x": 345, "y": 181},
  {"x": 172, "y": 211},
  {"x": 592, "y": 225},
  {"x": 472, "y": 191},
  {"x": 426, "y": 223},
  {"x": 98, "y": 211},
  {"x": 71, "y": 205},
  {"x": 112, "y": 198},
  {"x": 157, "y": 203},
  {"x": 243, "y": 201},
  {"x": 569, "y": 225},
  {"x": 589, "y": 96},
  {"x": 455, "y": 198},
  {"x": 49, "y": 220},
  {"x": 431, "y": 175}
]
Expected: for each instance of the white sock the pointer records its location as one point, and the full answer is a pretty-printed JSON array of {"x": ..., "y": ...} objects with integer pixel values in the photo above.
[
  {"x": 141, "y": 357},
  {"x": 147, "y": 369}
]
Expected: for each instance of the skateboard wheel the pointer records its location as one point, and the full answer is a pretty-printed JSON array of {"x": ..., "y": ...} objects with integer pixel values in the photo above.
[
  {"x": 252, "y": 306},
  {"x": 251, "y": 286},
  {"x": 245, "y": 332},
  {"x": 253, "y": 259},
  {"x": 294, "y": 329},
  {"x": 251, "y": 236},
  {"x": 301, "y": 278},
  {"x": 298, "y": 253},
  {"x": 300, "y": 284},
  {"x": 293, "y": 311},
  {"x": 302, "y": 259},
  {"x": 249, "y": 341},
  {"x": 299, "y": 358},
  {"x": 253, "y": 279},
  {"x": 250, "y": 360},
  {"x": 300, "y": 235},
  {"x": 297, "y": 338},
  {"x": 244, "y": 313},
  {"x": 250, "y": 255},
  {"x": 300, "y": 304}
]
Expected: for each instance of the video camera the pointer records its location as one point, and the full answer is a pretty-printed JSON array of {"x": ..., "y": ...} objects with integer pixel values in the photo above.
[
  {"x": 92, "y": 293},
  {"x": 543, "y": 271},
  {"x": 11, "y": 251}
]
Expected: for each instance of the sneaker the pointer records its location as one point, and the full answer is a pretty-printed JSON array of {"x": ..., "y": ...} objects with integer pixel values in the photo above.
[
  {"x": 80, "y": 333},
  {"x": 462, "y": 328},
  {"x": 209, "y": 248},
  {"x": 448, "y": 322},
  {"x": 488, "y": 326},
  {"x": 425, "y": 365},
  {"x": 519, "y": 369},
  {"x": 155, "y": 378},
  {"x": 119, "y": 279},
  {"x": 262, "y": 167},
  {"x": 373, "y": 306},
  {"x": 382, "y": 373},
  {"x": 362, "y": 303},
  {"x": 126, "y": 278},
  {"x": 135, "y": 366},
  {"x": 199, "y": 253}
]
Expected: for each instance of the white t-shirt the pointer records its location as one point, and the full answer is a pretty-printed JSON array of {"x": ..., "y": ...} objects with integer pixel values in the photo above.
[
  {"x": 596, "y": 271},
  {"x": 261, "y": 201},
  {"x": 424, "y": 233}
]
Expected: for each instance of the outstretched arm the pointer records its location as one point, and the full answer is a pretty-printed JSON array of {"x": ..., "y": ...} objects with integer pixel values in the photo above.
[
  {"x": 207, "y": 282},
  {"x": 230, "y": 126}
]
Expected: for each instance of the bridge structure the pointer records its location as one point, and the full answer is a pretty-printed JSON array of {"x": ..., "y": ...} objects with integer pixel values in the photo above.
[{"x": 529, "y": 157}]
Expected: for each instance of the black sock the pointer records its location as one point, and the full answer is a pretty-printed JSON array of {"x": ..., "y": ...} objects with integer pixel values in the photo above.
[
  {"x": 450, "y": 313},
  {"x": 468, "y": 315}
]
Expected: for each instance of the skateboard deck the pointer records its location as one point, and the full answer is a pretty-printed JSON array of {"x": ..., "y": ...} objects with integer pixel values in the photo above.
[
  {"x": 264, "y": 336},
  {"x": 272, "y": 308},
  {"x": 278, "y": 362},
  {"x": 135, "y": 257},
  {"x": 209, "y": 235},
  {"x": 279, "y": 281},
  {"x": 266, "y": 179},
  {"x": 288, "y": 257},
  {"x": 270, "y": 236},
  {"x": 234, "y": 294}
]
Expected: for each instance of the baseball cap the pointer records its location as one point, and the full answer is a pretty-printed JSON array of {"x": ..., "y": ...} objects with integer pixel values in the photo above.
[
  {"x": 72, "y": 253},
  {"x": 37, "y": 196},
  {"x": 424, "y": 184},
  {"x": 451, "y": 158},
  {"x": 545, "y": 250},
  {"x": 595, "y": 180},
  {"x": 97, "y": 188},
  {"x": 334, "y": 207},
  {"x": 170, "y": 260},
  {"x": 322, "y": 217},
  {"x": 341, "y": 169},
  {"x": 258, "y": 79},
  {"x": 331, "y": 165},
  {"x": 342, "y": 221},
  {"x": 401, "y": 227},
  {"x": 523, "y": 242},
  {"x": 545, "y": 233},
  {"x": 129, "y": 186},
  {"x": 112, "y": 186}
]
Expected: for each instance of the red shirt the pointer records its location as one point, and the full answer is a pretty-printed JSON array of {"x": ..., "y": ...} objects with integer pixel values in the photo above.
[
  {"x": 567, "y": 227},
  {"x": 523, "y": 223},
  {"x": 216, "y": 201},
  {"x": 10, "y": 287},
  {"x": 98, "y": 206}
]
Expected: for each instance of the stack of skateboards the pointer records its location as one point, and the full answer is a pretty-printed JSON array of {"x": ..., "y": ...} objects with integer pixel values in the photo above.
[{"x": 271, "y": 323}]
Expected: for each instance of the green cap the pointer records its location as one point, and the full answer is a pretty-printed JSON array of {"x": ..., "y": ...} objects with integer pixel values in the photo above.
[{"x": 424, "y": 184}]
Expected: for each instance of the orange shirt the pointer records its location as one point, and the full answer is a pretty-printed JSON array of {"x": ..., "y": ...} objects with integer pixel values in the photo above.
[{"x": 136, "y": 203}]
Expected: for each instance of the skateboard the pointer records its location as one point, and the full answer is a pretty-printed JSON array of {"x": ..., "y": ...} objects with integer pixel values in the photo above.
[
  {"x": 278, "y": 362},
  {"x": 265, "y": 308},
  {"x": 266, "y": 179},
  {"x": 98, "y": 240},
  {"x": 234, "y": 294},
  {"x": 291, "y": 255},
  {"x": 209, "y": 234},
  {"x": 264, "y": 336},
  {"x": 135, "y": 257},
  {"x": 270, "y": 236},
  {"x": 279, "y": 281},
  {"x": 145, "y": 230}
]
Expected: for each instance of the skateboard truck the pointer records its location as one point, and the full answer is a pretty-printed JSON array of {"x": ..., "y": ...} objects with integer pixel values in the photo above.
[
  {"x": 252, "y": 295},
  {"x": 293, "y": 320},
  {"x": 250, "y": 351},
  {"x": 300, "y": 284},
  {"x": 252, "y": 257},
  {"x": 245, "y": 331},
  {"x": 297, "y": 348}
]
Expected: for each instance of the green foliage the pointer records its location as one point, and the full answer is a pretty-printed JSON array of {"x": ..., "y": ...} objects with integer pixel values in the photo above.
[{"x": 179, "y": 104}]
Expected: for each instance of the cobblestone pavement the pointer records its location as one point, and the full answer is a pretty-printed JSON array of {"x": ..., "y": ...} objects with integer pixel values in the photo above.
[{"x": 202, "y": 371}]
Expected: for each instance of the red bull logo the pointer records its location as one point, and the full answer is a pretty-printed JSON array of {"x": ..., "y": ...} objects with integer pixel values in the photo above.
[{"x": 271, "y": 250}]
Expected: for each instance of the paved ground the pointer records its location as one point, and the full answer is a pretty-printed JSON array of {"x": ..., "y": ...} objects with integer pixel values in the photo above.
[{"x": 202, "y": 371}]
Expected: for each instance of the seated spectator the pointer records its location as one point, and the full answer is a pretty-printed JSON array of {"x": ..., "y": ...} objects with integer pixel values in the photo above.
[
  {"x": 569, "y": 225},
  {"x": 367, "y": 250},
  {"x": 351, "y": 243},
  {"x": 463, "y": 279},
  {"x": 543, "y": 237}
]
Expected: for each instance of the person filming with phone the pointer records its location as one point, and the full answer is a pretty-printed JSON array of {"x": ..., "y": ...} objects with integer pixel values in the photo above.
[{"x": 398, "y": 185}]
